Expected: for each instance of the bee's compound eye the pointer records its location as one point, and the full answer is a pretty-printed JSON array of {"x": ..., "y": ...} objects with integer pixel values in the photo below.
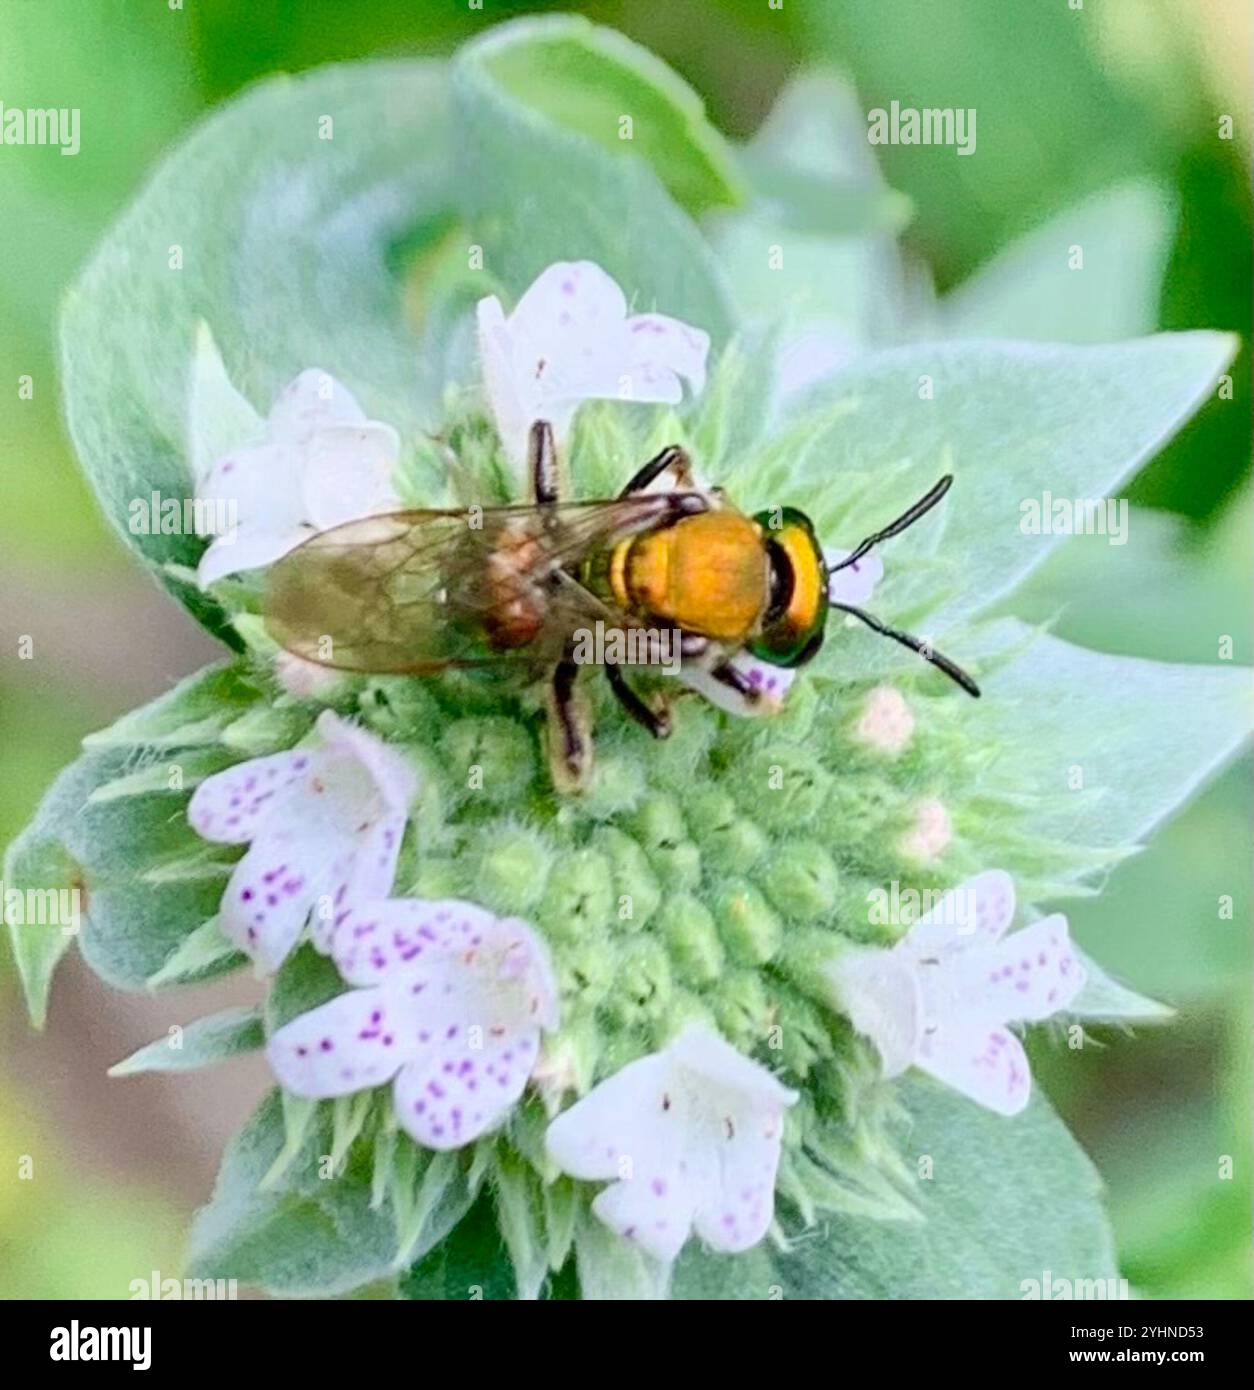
[
  {"x": 782, "y": 580},
  {"x": 811, "y": 648},
  {"x": 782, "y": 645}
]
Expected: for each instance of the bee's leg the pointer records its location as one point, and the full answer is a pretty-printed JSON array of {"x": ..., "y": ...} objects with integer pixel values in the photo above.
[
  {"x": 726, "y": 688},
  {"x": 658, "y": 722},
  {"x": 542, "y": 463},
  {"x": 737, "y": 686},
  {"x": 570, "y": 734},
  {"x": 672, "y": 458}
]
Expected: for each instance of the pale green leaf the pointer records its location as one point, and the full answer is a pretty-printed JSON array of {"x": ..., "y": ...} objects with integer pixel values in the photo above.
[
  {"x": 50, "y": 857},
  {"x": 587, "y": 78},
  {"x": 1007, "y": 1199},
  {"x": 1183, "y": 937},
  {"x": 443, "y": 1196},
  {"x": 1152, "y": 588},
  {"x": 112, "y": 817},
  {"x": 812, "y": 166},
  {"x": 219, "y": 419},
  {"x": 133, "y": 929},
  {"x": 535, "y": 192},
  {"x": 305, "y": 980},
  {"x": 470, "y": 1263},
  {"x": 736, "y": 409},
  {"x": 279, "y": 222},
  {"x": 520, "y": 1211},
  {"x": 164, "y": 774},
  {"x": 193, "y": 713},
  {"x": 612, "y": 1268},
  {"x": 203, "y": 953},
  {"x": 348, "y": 1118},
  {"x": 1011, "y": 421},
  {"x": 1091, "y": 274},
  {"x": 1105, "y": 1000},
  {"x": 37, "y": 870},
  {"x": 816, "y": 255},
  {"x": 202, "y": 862},
  {"x": 818, "y": 125},
  {"x": 307, "y": 1235},
  {"x": 1100, "y": 749},
  {"x": 199, "y": 1044}
]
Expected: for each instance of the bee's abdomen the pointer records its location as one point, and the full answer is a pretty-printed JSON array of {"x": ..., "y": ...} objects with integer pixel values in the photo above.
[
  {"x": 707, "y": 574},
  {"x": 515, "y": 611}
]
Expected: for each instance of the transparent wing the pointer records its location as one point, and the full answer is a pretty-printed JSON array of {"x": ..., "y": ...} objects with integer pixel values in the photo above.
[{"x": 418, "y": 591}]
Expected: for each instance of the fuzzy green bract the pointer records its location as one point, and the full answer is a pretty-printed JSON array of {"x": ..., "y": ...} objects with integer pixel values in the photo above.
[{"x": 701, "y": 878}]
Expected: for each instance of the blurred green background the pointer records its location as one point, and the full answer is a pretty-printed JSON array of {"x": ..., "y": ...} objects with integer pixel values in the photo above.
[{"x": 1070, "y": 102}]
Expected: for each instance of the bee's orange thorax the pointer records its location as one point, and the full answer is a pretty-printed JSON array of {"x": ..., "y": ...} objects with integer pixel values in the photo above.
[{"x": 707, "y": 574}]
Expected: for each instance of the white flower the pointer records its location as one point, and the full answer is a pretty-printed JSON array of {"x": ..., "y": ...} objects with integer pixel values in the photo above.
[
  {"x": 452, "y": 1004},
  {"x": 692, "y": 1136},
  {"x": 325, "y": 824},
  {"x": 942, "y": 997},
  {"x": 931, "y": 833},
  {"x": 569, "y": 340},
  {"x": 772, "y": 682},
  {"x": 320, "y": 463},
  {"x": 855, "y": 583},
  {"x": 886, "y": 723},
  {"x": 306, "y": 680}
]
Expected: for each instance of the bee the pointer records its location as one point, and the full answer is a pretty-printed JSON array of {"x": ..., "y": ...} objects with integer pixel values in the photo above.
[{"x": 423, "y": 591}]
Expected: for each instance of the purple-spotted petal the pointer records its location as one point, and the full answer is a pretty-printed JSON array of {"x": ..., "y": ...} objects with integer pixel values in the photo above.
[
  {"x": 941, "y": 997},
  {"x": 456, "y": 1090},
  {"x": 567, "y": 339},
  {"x": 761, "y": 675},
  {"x": 465, "y": 995},
  {"x": 355, "y": 1041},
  {"x": 634, "y": 1129},
  {"x": 1026, "y": 977},
  {"x": 480, "y": 990},
  {"x": 255, "y": 492},
  {"x": 379, "y": 940},
  {"x": 230, "y": 806},
  {"x": 987, "y": 1064},
  {"x": 326, "y": 824},
  {"x": 363, "y": 874},
  {"x": 662, "y": 351},
  {"x": 257, "y": 487},
  {"x": 570, "y": 307},
  {"x": 973, "y": 915},
  {"x": 768, "y": 680},
  {"x": 741, "y": 1212},
  {"x": 657, "y": 1212},
  {"x": 273, "y": 889}
]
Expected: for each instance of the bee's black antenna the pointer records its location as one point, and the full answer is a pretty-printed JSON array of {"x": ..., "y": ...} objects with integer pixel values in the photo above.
[
  {"x": 895, "y": 528},
  {"x": 916, "y": 644}
]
